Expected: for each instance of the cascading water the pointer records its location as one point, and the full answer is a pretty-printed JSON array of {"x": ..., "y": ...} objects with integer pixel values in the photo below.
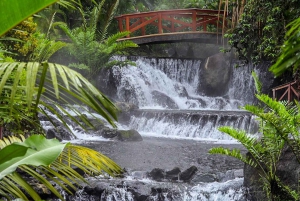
[
  {"x": 161, "y": 86},
  {"x": 172, "y": 105}
]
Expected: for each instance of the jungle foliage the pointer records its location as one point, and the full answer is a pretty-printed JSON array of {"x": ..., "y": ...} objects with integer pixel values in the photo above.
[
  {"x": 261, "y": 29},
  {"x": 29, "y": 88},
  {"x": 279, "y": 127}
]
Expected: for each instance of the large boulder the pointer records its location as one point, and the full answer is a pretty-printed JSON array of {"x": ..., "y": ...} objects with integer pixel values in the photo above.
[
  {"x": 121, "y": 135},
  {"x": 215, "y": 75},
  {"x": 129, "y": 135}
]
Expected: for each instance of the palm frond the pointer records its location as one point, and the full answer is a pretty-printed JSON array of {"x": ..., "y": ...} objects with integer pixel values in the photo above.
[
  {"x": 290, "y": 54},
  {"x": 110, "y": 14},
  {"x": 63, "y": 81},
  {"x": 61, "y": 171}
]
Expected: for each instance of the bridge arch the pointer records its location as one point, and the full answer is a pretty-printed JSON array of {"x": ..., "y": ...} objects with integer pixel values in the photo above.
[{"x": 169, "y": 26}]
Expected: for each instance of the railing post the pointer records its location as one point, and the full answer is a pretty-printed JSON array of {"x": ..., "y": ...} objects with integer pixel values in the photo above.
[
  {"x": 274, "y": 94},
  {"x": 159, "y": 23},
  {"x": 194, "y": 20},
  {"x": 127, "y": 26}
]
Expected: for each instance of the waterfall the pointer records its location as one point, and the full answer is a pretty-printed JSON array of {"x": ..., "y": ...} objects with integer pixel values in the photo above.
[
  {"x": 173, "y": 84},
  {"x": 172, "y": 104},
  {"x": 191, "y": 124}
]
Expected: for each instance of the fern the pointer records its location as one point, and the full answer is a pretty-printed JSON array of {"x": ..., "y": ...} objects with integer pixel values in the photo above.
[
  {"x": 94, "y": 53},
  {"x": 236, "y": 153}
]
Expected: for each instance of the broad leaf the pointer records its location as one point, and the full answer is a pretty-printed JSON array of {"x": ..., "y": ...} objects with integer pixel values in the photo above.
[
  {"x": 13, "y": 12},
  {"x": 40, "y": 151}
]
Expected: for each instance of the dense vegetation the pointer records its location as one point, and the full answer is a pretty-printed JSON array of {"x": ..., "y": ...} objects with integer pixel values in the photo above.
[{"x": 83, "y": 30}]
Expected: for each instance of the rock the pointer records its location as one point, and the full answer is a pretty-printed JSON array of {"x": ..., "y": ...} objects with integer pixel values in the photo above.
[
  {"x": 173, "y": 174},
  {"x": 60, "y": 133},
  {"x": 157, "y": 174},
  {"x": 205, "y": 178},
  {"x": 215, "y": 75},
  {"x": 188, "y": 174},
  {"x": 108, "y": 132},
  {"x": 129, "y": 135},
  {"x": 164, "y": 100}
]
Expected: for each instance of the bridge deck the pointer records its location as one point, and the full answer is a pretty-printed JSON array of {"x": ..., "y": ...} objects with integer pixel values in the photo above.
[{"x": 197, "y": 37}]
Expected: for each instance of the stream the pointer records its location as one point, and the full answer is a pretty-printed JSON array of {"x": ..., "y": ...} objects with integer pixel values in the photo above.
[{"x": 179, "y": 124}]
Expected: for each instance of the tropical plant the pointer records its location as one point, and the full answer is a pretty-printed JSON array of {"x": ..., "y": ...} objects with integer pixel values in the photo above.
[
  {"x": 261, "y": 27},
  {"x": 167, "y": 5},
  {"x": 36, "y": 95},
  {"x": 65, "y": 85},
  {"x": 278, "y": 121},
  {"x": 26, "y": 39},
  {"x": 45, "y": 49},
  {"x": 28, "y": 157},
  {"x": 290, "y": 52},
  {"x": 92, "y": 48}
]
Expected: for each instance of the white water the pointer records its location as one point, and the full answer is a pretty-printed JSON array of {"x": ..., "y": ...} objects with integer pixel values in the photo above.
[
  {"x": 179, "y": 80},
  {"x": 231, "y": 190}
]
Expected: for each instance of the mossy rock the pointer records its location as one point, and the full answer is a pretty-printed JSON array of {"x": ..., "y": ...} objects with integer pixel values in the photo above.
[{"x": 129, "y": 135}]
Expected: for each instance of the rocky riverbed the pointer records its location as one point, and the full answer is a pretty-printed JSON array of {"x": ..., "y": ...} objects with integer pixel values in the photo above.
[{"x": 160, "y": 169}]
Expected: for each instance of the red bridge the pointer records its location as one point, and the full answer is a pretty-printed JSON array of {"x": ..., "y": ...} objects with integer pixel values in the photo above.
[{"x": 204, "y": 26}]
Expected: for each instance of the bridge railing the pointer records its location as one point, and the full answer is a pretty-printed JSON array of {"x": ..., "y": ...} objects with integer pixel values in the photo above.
[
  {"x": 289, "y": 92},
  {"x": 172, "y": 21}
]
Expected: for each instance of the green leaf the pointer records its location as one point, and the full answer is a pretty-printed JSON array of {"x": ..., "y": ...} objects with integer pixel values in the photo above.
[
  {"x": 40, "y": 151},
  {"x": 13, "y": 12}
]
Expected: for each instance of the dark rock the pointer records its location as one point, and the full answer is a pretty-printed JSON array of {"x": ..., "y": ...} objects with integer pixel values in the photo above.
[
  {"x": 108, "y": 132},
  {"x": 173, "y": 174},
  {"x": 164, "y": 100},
  {"x": 188, "y": 174},
  {"x": 60, "y": 133},
  {"x": 129, "y": 135},
  {"x": 157, "y": 174},
  {"x": 107, "y": 83}
]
